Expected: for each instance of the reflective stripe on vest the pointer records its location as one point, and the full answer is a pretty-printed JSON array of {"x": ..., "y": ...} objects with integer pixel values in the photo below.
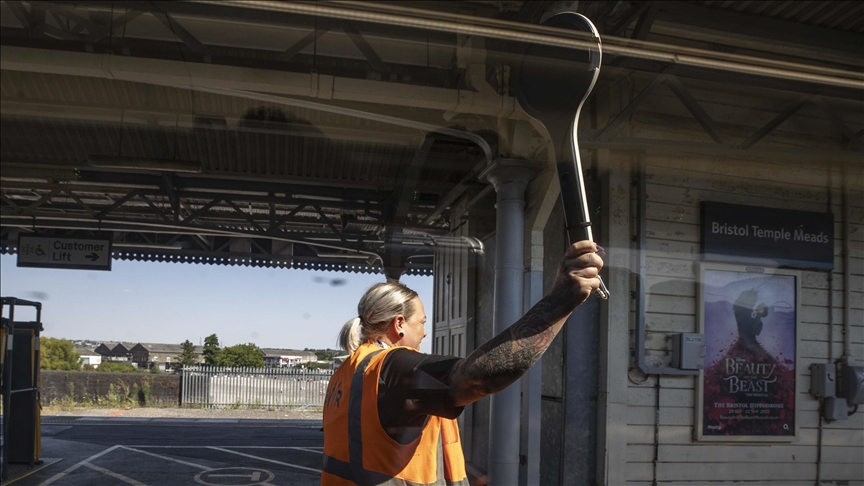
[
  {"x": 353, "y": 471},
  {"x": 343, "y": 470}
]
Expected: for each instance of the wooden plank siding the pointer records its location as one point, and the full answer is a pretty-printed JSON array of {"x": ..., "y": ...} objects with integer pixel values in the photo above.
[{"x": 675, "y": 187}]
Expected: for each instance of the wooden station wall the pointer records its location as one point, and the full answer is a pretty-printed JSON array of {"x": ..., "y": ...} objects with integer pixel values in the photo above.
[
  {"x": 646, "y": 428},
  {"x": 656, "y": 441}
]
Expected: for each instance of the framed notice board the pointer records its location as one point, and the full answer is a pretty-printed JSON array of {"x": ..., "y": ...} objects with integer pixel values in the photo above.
[{"x": 747, "y": 389}]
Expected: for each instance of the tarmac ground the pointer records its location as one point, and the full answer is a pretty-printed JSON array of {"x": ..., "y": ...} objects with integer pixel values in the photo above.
[{"x": 205, "y": 448}]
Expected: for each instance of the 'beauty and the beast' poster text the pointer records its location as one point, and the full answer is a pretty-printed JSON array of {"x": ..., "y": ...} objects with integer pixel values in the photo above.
[{"x": 749, "y": 326}]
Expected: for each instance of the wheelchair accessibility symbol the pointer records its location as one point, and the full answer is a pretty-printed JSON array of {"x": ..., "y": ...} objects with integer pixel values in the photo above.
[
  {"x": 39, "y": 251},
  {"x": 234, "y": 476}
]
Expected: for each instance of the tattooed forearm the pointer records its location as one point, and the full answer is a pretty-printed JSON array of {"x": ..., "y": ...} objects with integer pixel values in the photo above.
[{"x": 506, "y": 357}]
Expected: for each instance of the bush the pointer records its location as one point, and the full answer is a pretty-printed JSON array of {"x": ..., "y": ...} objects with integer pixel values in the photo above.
[{"x": 116, "y": 367}]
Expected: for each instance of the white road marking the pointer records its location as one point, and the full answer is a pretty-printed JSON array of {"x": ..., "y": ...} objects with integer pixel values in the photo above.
[
  {"x": 114, "y": 475},
  {"x": 76, "y": 466},
  {"x": 265, "y": 459},
  {"x": 310, "y": 449},
  {"x": 167, "y": 458},
  {"x": 319, "y": 450},
  {"x": 255, "y": 476},
  {"x": 136, "y": 448}
]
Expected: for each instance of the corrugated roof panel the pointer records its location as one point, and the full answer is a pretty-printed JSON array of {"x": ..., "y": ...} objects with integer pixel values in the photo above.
[
  {"x": 280, "y": 155},
  {"x": 805, "y": 16},
  {"x": 841, "y": 15}
]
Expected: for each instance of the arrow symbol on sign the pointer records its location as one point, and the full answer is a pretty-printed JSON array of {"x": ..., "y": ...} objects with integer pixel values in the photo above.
[{"x": 92, "y": 256}]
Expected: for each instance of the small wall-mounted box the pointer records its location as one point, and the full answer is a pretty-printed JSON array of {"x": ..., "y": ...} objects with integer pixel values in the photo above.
[
  {"x": 823, "y": 380},
  {"x": 851, "y": 384},
  {"x": 688, "y": 351},
  {"x": 835, "y": 408}
]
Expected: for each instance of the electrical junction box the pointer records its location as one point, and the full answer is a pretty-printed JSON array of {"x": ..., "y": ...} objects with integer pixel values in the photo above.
[
  {"x": 688, "y": 351},
  {"x": 851, "y": 384},
  {"x": 834, "y": 408},
  {"x": 823, "y": 380}
]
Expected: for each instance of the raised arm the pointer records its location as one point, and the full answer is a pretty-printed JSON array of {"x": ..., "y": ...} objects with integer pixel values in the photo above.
[{"x": 506, "y": 357}]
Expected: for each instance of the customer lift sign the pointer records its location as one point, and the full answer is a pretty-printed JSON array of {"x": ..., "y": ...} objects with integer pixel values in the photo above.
[{"x": 60, "y": 252}]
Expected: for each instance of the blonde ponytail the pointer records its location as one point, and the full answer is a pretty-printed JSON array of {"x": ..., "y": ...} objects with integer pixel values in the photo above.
[
  {"x": 377, "y": 308},
  {"x": 351, "y": 335}
]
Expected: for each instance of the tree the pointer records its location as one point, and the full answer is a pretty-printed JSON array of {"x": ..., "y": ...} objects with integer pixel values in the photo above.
[
  {"x": 211, "y": 350},
  {"x": 116, "y": 367},
  {"x": 187, "y": 354},
  {"x": 248, "y": 355},
  {"x": 58, "y": 354},
  {"x": 325, "y": 354},
  {"x": 318, "y": 366}
]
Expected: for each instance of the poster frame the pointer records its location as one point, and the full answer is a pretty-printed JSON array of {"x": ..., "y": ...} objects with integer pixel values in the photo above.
[{"x": 701, "y": 268}]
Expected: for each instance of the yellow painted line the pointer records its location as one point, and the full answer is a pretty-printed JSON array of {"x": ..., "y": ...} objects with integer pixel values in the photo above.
[
  {"x": 118, "y": 412},
  {"x": 32, "y": 472}
]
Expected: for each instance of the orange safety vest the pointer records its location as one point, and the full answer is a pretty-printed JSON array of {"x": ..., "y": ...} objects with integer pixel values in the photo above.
[{"x": 357, "y": 450}]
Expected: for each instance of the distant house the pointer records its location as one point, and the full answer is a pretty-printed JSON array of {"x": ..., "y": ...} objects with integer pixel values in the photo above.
[
  {"x": 89, "y": 357},
  {"x": 113, "y": 351},
  {"x": 145, "y": 355},
  {"x": 286, "y": 358}
]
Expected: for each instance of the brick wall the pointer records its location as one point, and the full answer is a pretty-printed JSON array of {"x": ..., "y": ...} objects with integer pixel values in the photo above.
[{"x": 56, "y": 385}]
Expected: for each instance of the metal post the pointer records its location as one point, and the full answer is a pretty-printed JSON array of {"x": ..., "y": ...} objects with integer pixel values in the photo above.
[
  {"x": 510, "y": 177},
  {"x": 529, "y": 472},
  {"x": 7, "y": 388}
]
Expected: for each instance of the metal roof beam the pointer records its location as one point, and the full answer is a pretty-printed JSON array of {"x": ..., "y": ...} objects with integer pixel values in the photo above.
[
  {"x": 646, "y": 20},
  {"x": 360, "y": 42},
  {"x": 389, "y": 14},
  {"x": 407, "y": 180},
  {"x": 790, "y": 109},
  {"x": 56, "y": 221},
  {"x": 303, "y": 43},
  {"x": 633, "y": 14},
  {"x": 844, "y": 129},
  {"x": 20, "y": 13},
  {"x": 97, "y": 34},
  {"x": 253, "y": 83},
  {"x": 695, "y": 108},
  {"x": 759, "y": 33},
  {"x": 171, "y": 23}
]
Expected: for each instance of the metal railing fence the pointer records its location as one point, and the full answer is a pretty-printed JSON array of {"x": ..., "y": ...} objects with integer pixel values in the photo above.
[{"x": 218, "y": 387}]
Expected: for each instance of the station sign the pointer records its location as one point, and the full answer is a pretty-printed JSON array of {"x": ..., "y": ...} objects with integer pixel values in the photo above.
[
  {"x": 61, "y": 252},
  {"x": 767, "y": 236}
]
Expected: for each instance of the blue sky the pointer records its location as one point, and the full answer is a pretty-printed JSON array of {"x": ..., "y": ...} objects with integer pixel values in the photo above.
[{"x": 172, "y": 302}]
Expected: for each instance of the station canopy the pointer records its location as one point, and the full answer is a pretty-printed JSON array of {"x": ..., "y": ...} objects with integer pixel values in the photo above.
[{"x": 325, "y": 135}]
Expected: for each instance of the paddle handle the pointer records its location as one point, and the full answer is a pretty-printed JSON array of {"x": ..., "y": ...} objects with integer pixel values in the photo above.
[{"x": 577, "y": 219}]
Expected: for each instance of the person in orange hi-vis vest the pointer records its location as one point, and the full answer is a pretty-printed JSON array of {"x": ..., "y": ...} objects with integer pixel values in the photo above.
[{"x": 390, "y": 411}]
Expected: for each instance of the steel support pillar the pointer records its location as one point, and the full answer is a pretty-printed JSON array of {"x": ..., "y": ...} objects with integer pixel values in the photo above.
[
  {"x": 531, "y": 387},
  {"x": 509, "y": 177}
]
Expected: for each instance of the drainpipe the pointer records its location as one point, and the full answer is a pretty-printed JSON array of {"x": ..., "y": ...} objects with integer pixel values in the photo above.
[
  {"x": 509, "y": 177},
  {"x": 847, "y": 358}
]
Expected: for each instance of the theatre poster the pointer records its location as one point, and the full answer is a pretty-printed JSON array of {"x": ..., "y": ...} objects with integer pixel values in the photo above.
[{"x": 749, "y": 317}]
